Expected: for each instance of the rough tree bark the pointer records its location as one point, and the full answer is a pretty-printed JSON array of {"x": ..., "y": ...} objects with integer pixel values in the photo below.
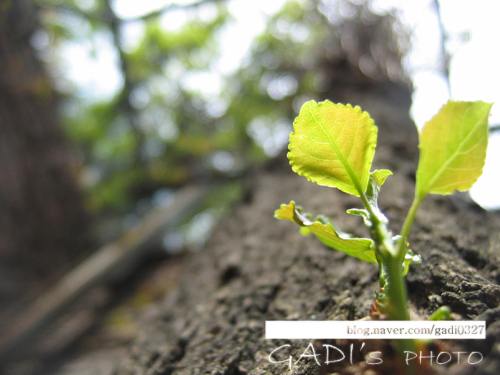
[
  {"x": 42, "y": 221},
  {"x": 256, "y": 268}
]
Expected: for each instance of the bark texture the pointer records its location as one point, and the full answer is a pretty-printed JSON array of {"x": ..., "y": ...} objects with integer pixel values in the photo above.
[
  {"x": 256, "y": 268},
  {"x": 42, "y": 222}
]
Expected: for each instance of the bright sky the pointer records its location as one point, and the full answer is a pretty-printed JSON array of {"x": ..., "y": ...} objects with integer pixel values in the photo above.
[{"x": 474, "y": 68}]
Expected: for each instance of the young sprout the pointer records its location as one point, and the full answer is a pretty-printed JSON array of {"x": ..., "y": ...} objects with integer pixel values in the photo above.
[{"x": 333, "y": 145}]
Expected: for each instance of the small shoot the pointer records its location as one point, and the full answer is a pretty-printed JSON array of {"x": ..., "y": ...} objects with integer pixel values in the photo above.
[{"x": 333, "y": 145}]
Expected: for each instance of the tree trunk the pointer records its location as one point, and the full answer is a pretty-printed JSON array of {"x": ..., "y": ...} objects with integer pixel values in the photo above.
[
  {"x": 42, "y": 222},
  {"x": 256, "y": 268}
]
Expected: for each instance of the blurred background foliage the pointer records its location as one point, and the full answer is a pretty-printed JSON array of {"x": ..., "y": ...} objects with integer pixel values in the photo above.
[{"x": 175, "y": 116}]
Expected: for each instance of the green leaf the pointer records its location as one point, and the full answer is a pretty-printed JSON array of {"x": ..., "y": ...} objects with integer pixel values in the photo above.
[
  {"x": 333, "y": 145},
  {"x": 380, "y": 175},
  {"x": 377, "y": 179},
  {"x": 410, "y": 258},
  {"x": 362, "y": 248},
  {"x": 442, "y": 313},
  {"x": 453, "y": 148},
  {"x": 363, "y": 213}
]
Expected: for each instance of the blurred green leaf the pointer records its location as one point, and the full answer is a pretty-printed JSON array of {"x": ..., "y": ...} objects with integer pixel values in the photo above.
[{"x": 453, "y": 148}]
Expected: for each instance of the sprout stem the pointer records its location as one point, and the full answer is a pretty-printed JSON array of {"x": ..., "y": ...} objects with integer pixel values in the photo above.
[{"x": 405, "y": 231}]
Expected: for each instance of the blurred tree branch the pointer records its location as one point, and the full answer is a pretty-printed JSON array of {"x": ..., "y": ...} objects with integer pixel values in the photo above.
[
  {"x": 494, "y": 128},
  {"x": 114, "y": 24},
  {"x": 93, "y": 16},
  {"x": 172, "y": 7},
  {"x": 445, "y": 54}
]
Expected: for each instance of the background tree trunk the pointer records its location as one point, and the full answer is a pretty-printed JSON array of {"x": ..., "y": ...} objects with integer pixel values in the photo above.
[{"x": 42, "y": 222}]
